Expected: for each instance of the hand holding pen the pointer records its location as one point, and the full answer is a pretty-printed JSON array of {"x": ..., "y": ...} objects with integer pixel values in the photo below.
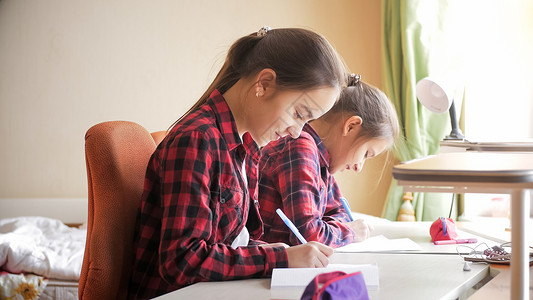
[
  {"x": 310, "y": 255},
  {"x": 360, "y": 227},
  {"x": 307, "y": 255}
]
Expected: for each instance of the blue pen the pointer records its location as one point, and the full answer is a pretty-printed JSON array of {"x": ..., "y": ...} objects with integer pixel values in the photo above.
[
  {"x": 347, "y": 207},
  {"x": 291, "y": 226}
]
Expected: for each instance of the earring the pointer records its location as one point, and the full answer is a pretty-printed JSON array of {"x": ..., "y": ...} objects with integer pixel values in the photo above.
[{"x": 259, "y": 93}]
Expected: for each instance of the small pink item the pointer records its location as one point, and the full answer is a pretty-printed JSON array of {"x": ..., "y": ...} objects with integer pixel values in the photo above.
[{"x": 443, "y": 229}]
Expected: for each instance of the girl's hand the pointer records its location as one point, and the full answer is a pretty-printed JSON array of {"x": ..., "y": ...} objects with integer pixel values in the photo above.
[
  {"x": 361, "y": 229},
  {"x": 310, "y": 255}
]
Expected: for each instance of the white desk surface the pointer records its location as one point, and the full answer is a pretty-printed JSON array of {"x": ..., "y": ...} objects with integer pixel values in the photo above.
[
  {"x": 464, "y": 145},
  {"x": 499, "y": 169},
  {"x": 483, "y": 163},
  {"x": 401, "y": 276},
  {"x": 496, "y": 229}
]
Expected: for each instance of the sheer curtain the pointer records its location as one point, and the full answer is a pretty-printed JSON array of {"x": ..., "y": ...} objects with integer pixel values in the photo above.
[
  {"x": 487, "y": 44},
  {"x": 414, "y": 46}
]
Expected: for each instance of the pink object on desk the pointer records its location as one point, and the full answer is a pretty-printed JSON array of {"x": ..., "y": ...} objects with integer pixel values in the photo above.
[
  {"x": 443, "y": 229},
  {"x": 456, "y": 241}
]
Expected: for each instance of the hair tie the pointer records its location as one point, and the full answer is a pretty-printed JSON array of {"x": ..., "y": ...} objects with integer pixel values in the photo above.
[
  {"x": 263, "y": 31},
  {"x": 353, "y": 79}
]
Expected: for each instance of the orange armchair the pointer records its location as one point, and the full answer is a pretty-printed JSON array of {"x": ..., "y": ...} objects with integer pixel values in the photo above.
[{"x": 117, "y": 154}]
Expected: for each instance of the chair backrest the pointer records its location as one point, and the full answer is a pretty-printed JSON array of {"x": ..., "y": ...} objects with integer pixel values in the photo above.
[{"x": 116, "y": 154}]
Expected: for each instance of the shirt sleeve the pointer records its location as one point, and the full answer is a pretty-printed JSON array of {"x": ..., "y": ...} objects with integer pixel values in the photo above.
[
  {"x": 335, "y": 211},
  {"x": 188, "y": 249},
  {"x": 305, "y": 196}
]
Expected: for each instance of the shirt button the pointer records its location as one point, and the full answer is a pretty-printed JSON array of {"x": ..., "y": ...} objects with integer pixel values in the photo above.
[{"x": 222, "y": 200}]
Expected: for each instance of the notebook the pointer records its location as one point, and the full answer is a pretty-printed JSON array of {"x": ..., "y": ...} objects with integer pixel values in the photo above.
[{"x": 381, "y": 244}]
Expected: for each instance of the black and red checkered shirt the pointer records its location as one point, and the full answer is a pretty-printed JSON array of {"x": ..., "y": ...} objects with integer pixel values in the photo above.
[
  {"x": 195, "y": 203},
  {"x": 294, "y": 176}
]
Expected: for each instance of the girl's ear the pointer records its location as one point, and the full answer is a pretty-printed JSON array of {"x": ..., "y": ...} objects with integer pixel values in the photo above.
[
  {"x": 352, "y": 124},
  {"x": 265, "y": 80}
]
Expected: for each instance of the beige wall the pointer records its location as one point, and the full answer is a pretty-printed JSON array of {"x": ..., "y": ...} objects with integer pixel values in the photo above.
[{"x": 66, "y": 65}]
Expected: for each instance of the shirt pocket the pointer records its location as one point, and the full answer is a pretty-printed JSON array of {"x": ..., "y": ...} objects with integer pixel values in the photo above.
[
  {"x": 322, "y": 188},
  {"x": 322, "y": 200},
  {"x": 228, "y": 202}
]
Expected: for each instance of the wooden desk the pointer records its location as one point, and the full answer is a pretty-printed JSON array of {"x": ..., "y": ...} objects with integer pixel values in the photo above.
[
  {"x": 482, "y": 172},
  {"x": 401, "y": 276}
]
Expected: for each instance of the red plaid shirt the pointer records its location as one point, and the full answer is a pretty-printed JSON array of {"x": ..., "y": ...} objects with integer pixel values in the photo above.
[
  {"x": 194, "y": 205},
  {"x": 294, "y": 176}
]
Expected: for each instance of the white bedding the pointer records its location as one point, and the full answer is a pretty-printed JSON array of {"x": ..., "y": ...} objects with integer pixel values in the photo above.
[{"x": 42, "y": 246}]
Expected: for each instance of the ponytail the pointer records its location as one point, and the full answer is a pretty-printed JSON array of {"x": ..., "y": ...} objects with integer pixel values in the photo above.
[
  {"x": 302, "y": 59},
  {"x": 372, "y": 105}
]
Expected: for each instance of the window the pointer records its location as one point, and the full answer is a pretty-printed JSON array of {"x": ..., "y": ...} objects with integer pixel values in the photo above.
[
  {"x": 491, "y": 43},
  {"x": 496, "y": 39}
]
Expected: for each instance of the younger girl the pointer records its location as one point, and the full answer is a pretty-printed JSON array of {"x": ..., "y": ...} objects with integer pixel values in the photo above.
[
  {"x": 296, "y": 174},
  {"x": 199, "y": 218}
]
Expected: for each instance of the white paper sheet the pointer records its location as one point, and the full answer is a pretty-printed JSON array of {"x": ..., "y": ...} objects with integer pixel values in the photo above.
[{"x": 381, "y": 244}]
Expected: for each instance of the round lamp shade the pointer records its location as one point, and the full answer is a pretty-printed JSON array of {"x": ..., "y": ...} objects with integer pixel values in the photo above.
[{"x": 434, "y": 95}]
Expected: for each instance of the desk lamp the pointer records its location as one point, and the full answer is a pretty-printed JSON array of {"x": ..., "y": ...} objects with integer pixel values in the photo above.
[{"x": 438, "y": 98}]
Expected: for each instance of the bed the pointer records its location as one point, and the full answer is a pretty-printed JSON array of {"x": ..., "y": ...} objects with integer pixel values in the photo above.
[{"x": 40, "y": 258}]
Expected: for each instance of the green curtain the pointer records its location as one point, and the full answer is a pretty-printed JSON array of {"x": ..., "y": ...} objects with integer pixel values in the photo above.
[{"x": 410, "y": 29}]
